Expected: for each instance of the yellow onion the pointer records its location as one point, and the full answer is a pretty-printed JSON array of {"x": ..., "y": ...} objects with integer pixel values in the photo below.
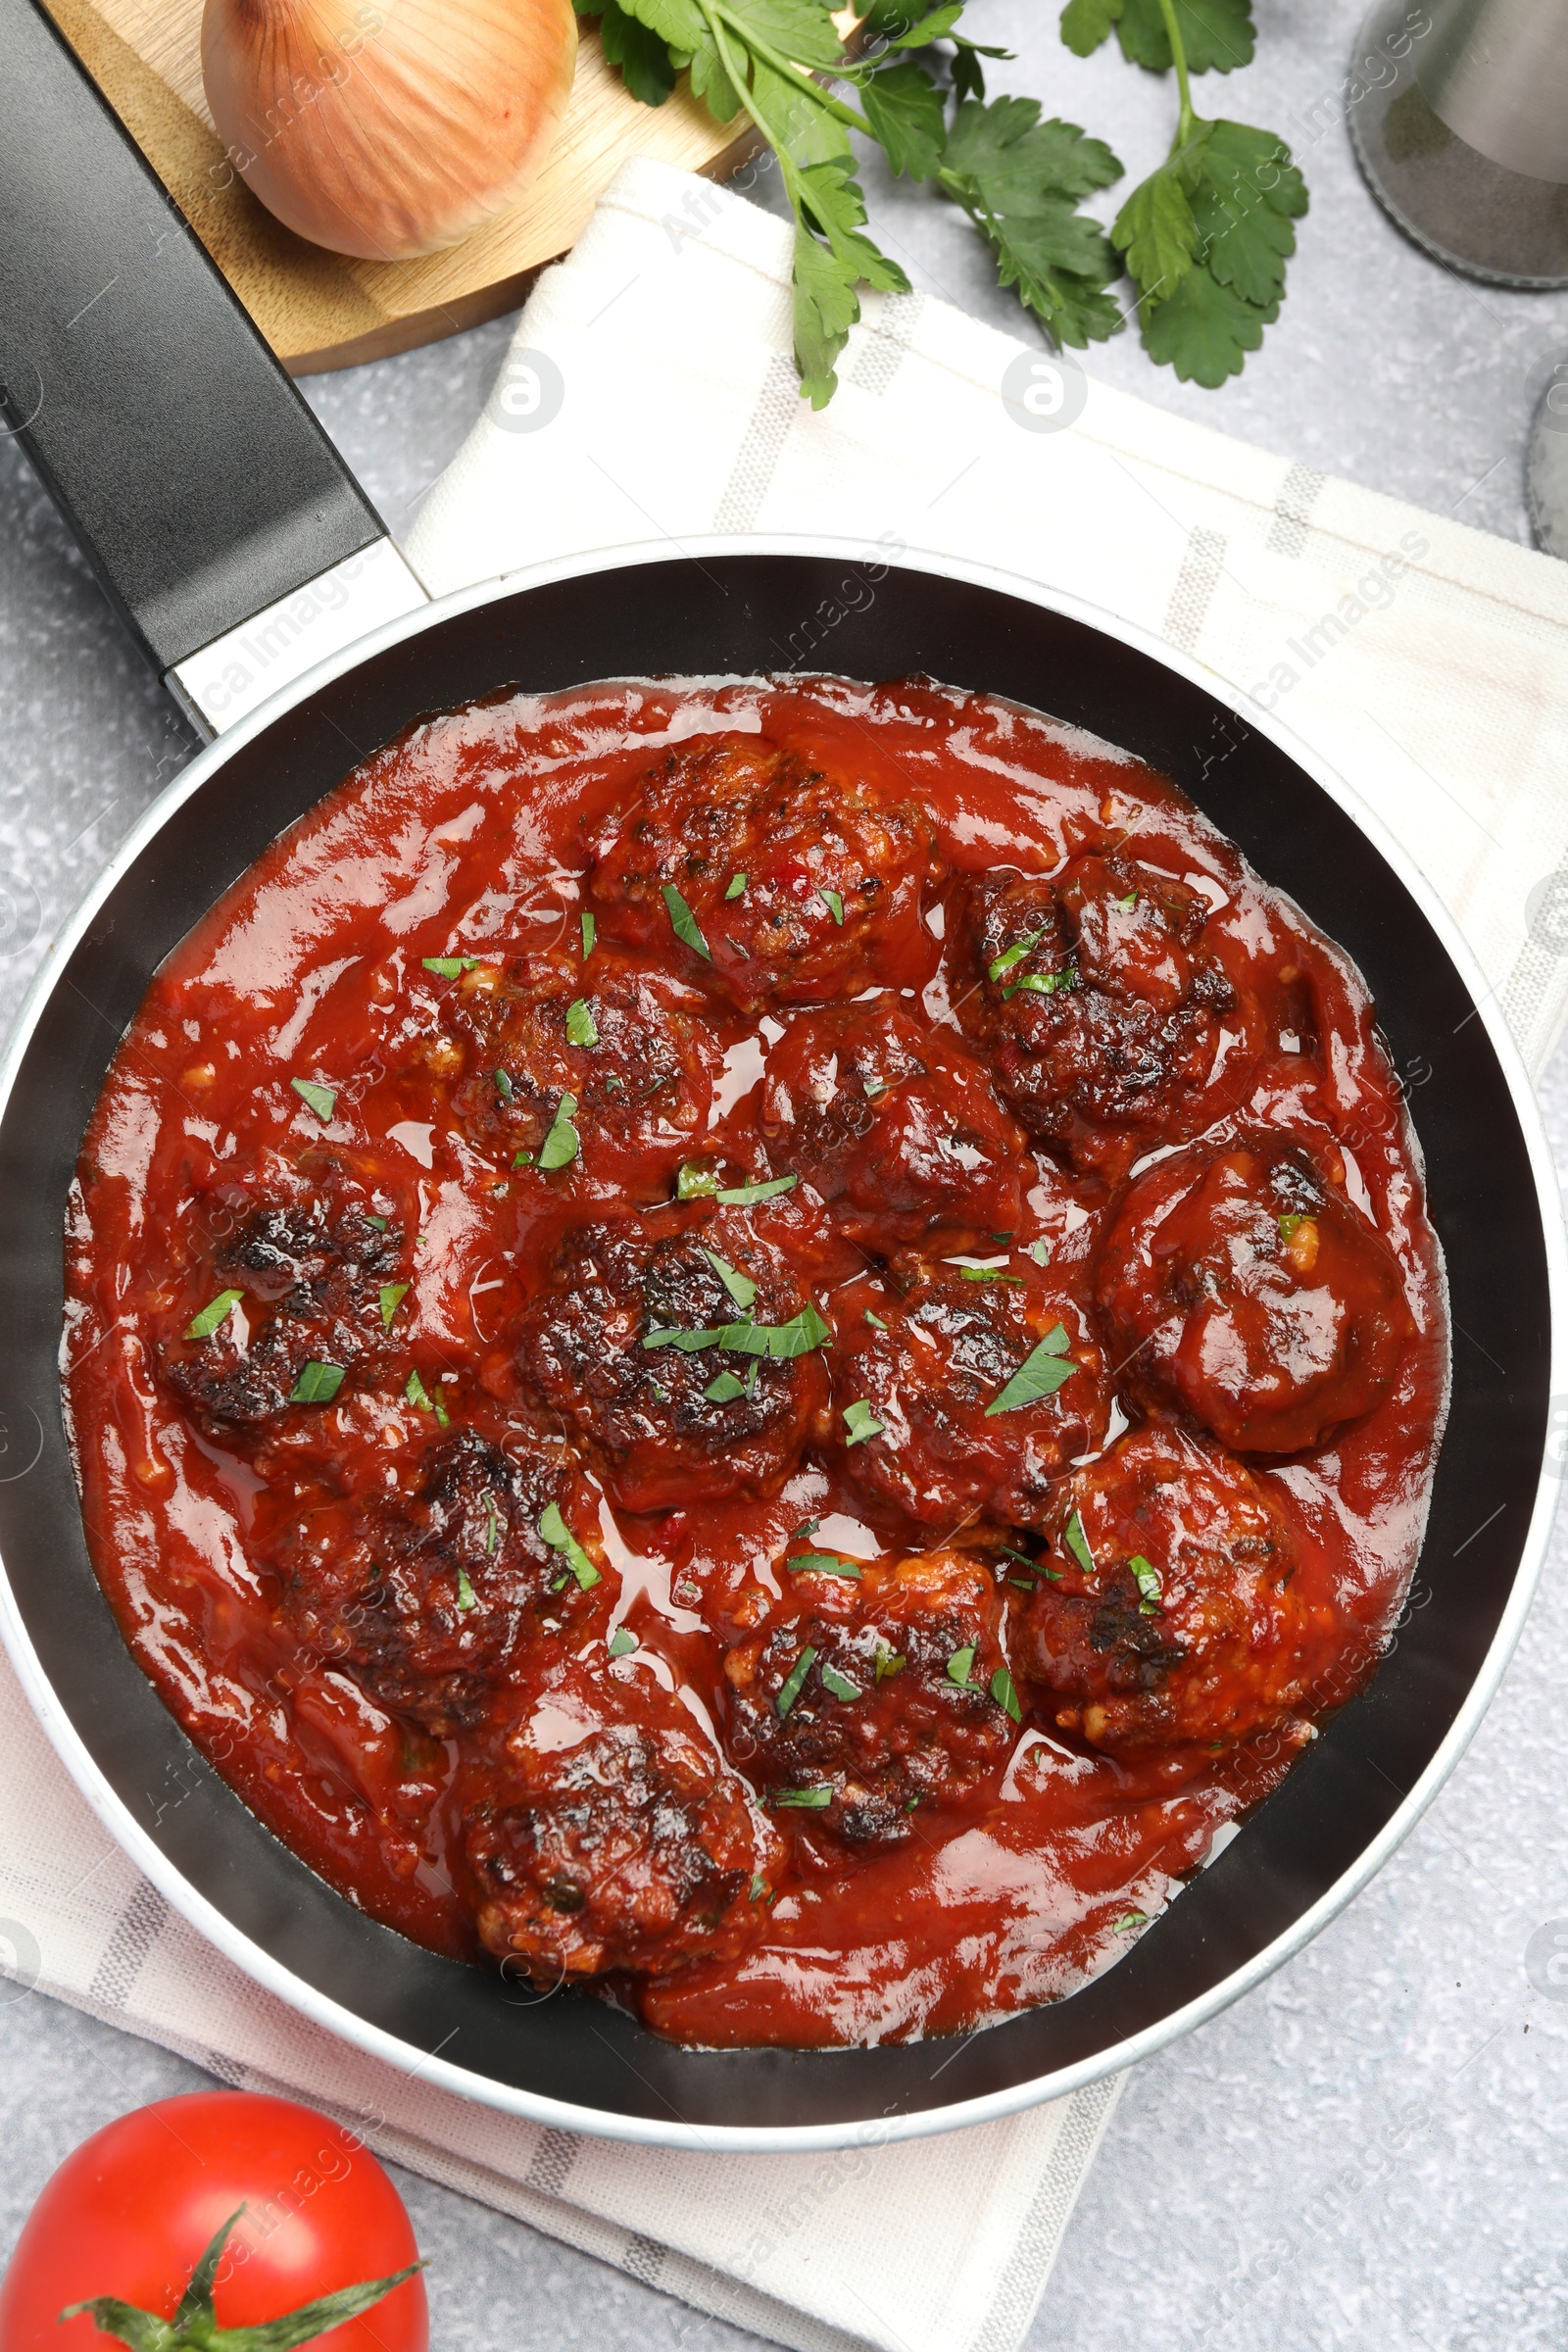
[{"x": 388, "y": 127}]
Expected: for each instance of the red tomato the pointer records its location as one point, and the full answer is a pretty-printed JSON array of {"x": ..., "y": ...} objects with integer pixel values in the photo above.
[{"x": 131, "y": 2213}]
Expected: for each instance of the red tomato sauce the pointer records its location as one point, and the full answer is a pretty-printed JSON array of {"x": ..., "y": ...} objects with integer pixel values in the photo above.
[{"x": 764, "y": 1346}]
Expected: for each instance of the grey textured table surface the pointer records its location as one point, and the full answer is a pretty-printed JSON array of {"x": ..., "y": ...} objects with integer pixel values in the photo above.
[{"x": 1370, "y": 2148}]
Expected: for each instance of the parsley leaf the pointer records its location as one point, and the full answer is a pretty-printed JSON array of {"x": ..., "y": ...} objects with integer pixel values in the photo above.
[
  {"x": 1005, "y": 1696},
  {"x": 392, "y": 1294},
  {"x": 216, "y": 1312},
  {"x": 960, "y": 1665},
  {"x": 589, "y": 927},
  {"x": 320, "y": 1099},
  {"x": 581, "y": 1027},
  {"x": 1145, "y": 1576},
  {"x": 562, "y": 1144},
  {"x": 861, "y": 1423},
  {"x": 741, "y": 1288},
  {"x": 824, "y": 1563},
  {"x": 318, "y": 1384},
  {"x": 622, "y": 1641},
  {"x": 684, "y": 923},
  {"x": 737, "y": 887},
  {"x": 836, "y": 1685},
  {"x": 1206, "y": 236},
  {"x": 904, "y": 109},
  {"x": 467, "y": 1598},
  {"x": 1020, "y": 181},
  {"x": 1041, "y": 1374},
  {"x": 798, "y": 1337},
  {"x": 809, "y": 1800},
  {"x": 450, "y": 967},
  {"x": 743, "y": 1196},
  {"x": 647, "y": 67},
  {"x": 1215, "y": 34},
  {"x": 1076, "y": 1542},
  {"x": 794, "y": 1682},
  {"x": 555, "y": 1532}
]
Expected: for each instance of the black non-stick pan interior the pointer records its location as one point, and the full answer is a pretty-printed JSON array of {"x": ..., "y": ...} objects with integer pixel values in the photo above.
[{"x": 740, "y": 614}]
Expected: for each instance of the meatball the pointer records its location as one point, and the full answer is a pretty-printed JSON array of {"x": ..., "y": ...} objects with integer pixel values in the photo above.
[
  {"x": 1186, "y": 1625},
  {"x": 928, "y": 1354},
  {"x": 896, "y": 1125},
  {"x": 666, "y": 1425},
  {"x": 803, "y": 886},
  {"x": 857, "y": 1704},
  {"x": 424, "y": 1596},
  {"x": 310, "y": 1274},
  {"x": 1248, "y": 1292},
  {"x": 606, "y": 1832},
  {"x": 1100, "y": 1009},
  {"x": 634, "y": 1048}
]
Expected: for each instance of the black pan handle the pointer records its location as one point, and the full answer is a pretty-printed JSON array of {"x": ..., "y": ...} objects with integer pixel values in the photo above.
[{"x": 195, "y": 477}]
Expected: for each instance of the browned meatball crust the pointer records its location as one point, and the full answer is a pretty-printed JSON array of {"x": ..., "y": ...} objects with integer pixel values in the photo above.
[
  {"x": 310, "y": 1272},
  {"x": 1241, "y": 1286},
  {"x": 425, "y": 1597},
  {"x": 1098, "y": 1004},
  {"x": 896, "y": 1125},
  {"x": 666, "y": 1425},
  {"x": 1187, "y": 1625},
  {"x": 803, "y": 886},
  {"x": 929, "y": 1352},
  {"x": 608, "y": 1834},
  {"x": 856, "y": 1701}
]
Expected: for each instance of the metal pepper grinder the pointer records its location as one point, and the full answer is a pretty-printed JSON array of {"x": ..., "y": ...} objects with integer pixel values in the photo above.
[{"x": 1459, "y": 114}]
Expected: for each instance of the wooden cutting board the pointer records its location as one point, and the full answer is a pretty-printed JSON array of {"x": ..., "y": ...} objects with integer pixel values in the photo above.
[{"x": 323, "y": 310}]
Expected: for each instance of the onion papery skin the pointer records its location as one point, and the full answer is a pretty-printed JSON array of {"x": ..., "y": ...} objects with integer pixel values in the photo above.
[{"x": 386, "y": 128}]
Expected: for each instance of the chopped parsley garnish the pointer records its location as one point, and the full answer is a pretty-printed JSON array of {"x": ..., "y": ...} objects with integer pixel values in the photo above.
[
  {"x": 467, "y": 1598},
  {"x": 740, "y": 1287},
  {"x": 798, "y": 1337},
  {"x": 392, "y": 1294},
  {"x": 887, "y": 1660},
  {"x": 1016, "y": 953},
  {"x": 522, "y": 1159},
  {"x": 1043, "y": 984},
  {"x": 1145, "y": 1576},
  {"x": 504, "y": 1086},
  {"x": 1040, "y": 1252},
  {"x": 724, "y": 1389},
  {"x": 694, "y": 1182},
  {"x": 1128, "y": 903},
  {"x": 622, "y": 1641},
  {"x": 1288, "y": 1226},
  {"x": 959, "y": 1666},
  {"x": 875, "y": 1321},
  {"x": 833, "y": 900},
  {"x": 450, "y": 967},
  {"x": 808, "y": 1527},
  {"x": 794, "y": 1682},
  {"x": 823, "y": 1564},
  {"x": 418, "y": 1395},
  {"x": 216, "y": 1311},
  {"x": 737, "y": 887},
  {"x": 555, "y": 1532},
  {"x": 861, "y": 1423},
  {"x": 759, "y": 1887},
  {"x": 318, "y": 1384},
  {"x": 380, "y": 1223},
  {"x": 684, "y": 923},
  {"x": 991, "y": 1274},
  {"x": 588, "y": 929},
  {"x": 1077, "y": 1543},
  {"x": 838, "y": 1685},
  {"x": 320, "y": 1099},
  {"x": 743, "y": 1195},
  {"x": 1128, "y": 1921},
  {"x": 492, "y": 1524},
  {"x": 1005, "y": 1696},
  {"x": 581, "y": 1027},
  {"x": 1035, "y": 1567},
  {"x": 562, "y": 1144},
  {"x": 1041, "y": 1374},
  {"x": 806, "y": 1801}
]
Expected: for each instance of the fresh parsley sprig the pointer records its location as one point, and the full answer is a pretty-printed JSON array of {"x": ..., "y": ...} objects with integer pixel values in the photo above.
[
  {"x": 1018, "y": 178},
  {"x": 1206, "y": 237}
]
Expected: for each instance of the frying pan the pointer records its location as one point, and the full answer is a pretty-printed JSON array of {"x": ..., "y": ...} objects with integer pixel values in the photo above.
[{"x": 214, "y": 510}]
